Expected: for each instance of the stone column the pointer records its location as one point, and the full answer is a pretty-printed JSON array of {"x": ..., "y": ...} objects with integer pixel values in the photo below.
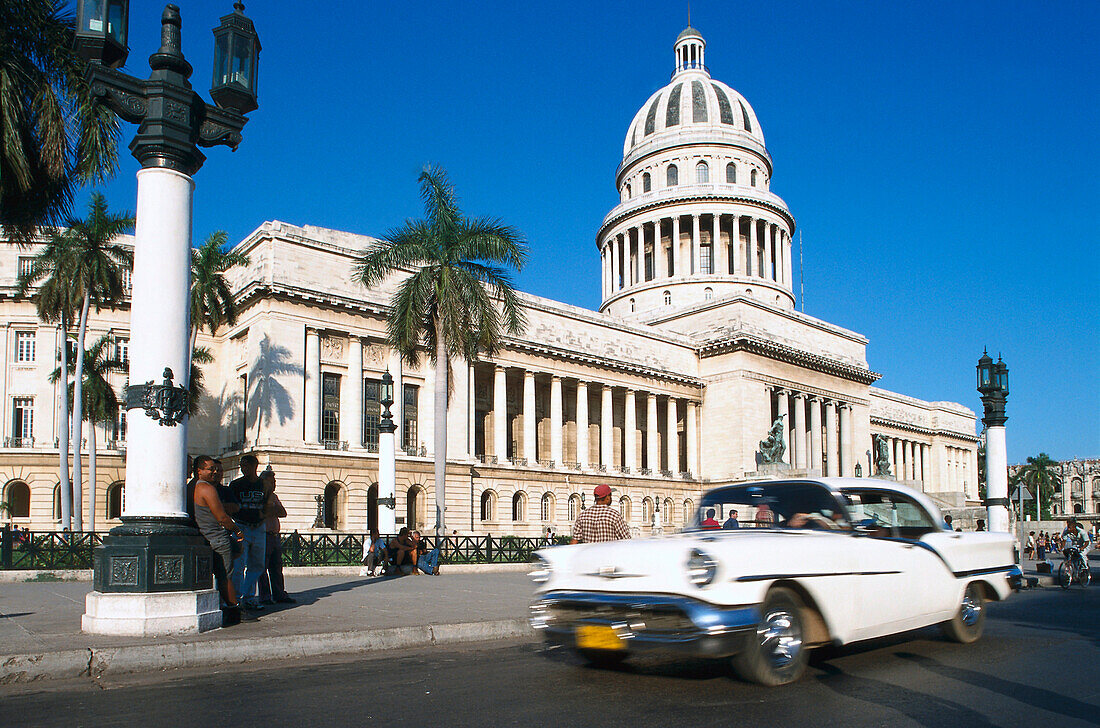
[
  {"x": 312, "y": 407},
  {"x": 530, "y": 449},
  {"x": 555, "y": 421},
  {"x": 351, "y": 421},
  {"x": 769, "y": 249},
  {"x": 673, "y": 438},
  {"x": 750, "y": 248},
  {"x": 815, "y": 434},
  {"x": 471, "y": 412},
  {"x": 833, "y": 457},
  {"x": 692, "y": 434},
  {"x": 846, "y": 467},
  {"x": 925, "y": 467},
  {"x": 799, "y": 431},
  {"x": 918, "y": 466},
  {"x": 735, "y": 244},
  {"x": 582, "y": 423},
  {"x": 899, "y": 459},
  {"x": 660, "y": 258},
  {"x": 912, "y": 468},
  {"x": 695, "y": 244},
  {"x": 613, "y": 244},
  {"x": 607, "y": 458},
  {"x": 718, "y": 251},
  {"x": 653, "y": 437},
  {"x": 500, "y": 413},
  {"x": 678, "y": 256},
  {"x": 603, "y": 270},
  {"x": 630, "y": 437},
  {"x": 784, "y": 409}
]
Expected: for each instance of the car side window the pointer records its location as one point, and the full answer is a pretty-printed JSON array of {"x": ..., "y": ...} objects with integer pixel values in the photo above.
[
  {"x": 912, "y": 520},
  {"x": 889, "y": 515}
]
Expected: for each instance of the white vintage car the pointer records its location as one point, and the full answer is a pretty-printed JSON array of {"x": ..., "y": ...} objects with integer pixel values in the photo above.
[{"x": 813, "y": 562}]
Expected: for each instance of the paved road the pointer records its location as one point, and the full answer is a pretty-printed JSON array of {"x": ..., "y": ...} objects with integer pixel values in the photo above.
[{"x": 1039, "y": 664}]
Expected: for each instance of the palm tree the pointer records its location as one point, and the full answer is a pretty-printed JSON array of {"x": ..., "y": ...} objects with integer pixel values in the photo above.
[
  {"x": 97, "y": 267},
  {"x": 211, "y": 300},
  {"x": 196, "y": 387},
  {"x": 52, "y": 134},
  {"x": 448, "y": 302},
  {"x": 54, "y": 303},
  {"x": 101, "y": 403},
  {"x": 1042, "y": 478}
]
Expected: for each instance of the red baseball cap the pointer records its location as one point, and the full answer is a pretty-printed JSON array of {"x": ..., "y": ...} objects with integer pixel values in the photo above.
[{"x": 601, "y": 491}]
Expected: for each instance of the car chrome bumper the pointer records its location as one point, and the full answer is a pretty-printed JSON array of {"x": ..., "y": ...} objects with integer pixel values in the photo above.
[
  {"x": 1015, "y": 578},
  {"x": 646, "y": 621}
]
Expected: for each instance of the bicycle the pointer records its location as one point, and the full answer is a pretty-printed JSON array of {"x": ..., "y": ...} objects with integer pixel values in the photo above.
[{"x": 1073, "y": 569}]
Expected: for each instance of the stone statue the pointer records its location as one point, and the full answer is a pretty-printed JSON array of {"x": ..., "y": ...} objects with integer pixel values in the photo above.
[
  {"x": 773, "y": 447},
  {"x": 882, "y": 457}
]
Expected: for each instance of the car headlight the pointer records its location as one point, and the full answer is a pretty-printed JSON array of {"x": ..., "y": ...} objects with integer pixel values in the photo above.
[
  {"x": 541, "y": 573},
  {"x": 701, "y": 568}
]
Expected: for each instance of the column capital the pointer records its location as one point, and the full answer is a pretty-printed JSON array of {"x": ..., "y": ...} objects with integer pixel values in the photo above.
[{"x": 555, "y": 377}]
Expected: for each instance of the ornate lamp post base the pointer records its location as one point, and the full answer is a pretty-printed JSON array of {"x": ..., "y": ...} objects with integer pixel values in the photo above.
[{"x": 152, "y": 576}]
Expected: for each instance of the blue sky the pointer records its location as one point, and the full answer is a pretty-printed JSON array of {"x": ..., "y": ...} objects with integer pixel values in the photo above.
[{"x": 940, "y": 159}]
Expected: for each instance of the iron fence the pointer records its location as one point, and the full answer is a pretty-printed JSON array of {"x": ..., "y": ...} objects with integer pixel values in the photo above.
[{"x": 45, "y": 550}]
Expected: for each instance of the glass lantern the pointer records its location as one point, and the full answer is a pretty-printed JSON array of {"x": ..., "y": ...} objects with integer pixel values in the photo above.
[
  {"x": 236, "y": 54},
  {"x": 387, "y": 390},
  {"x": 985, "y": 373},
  {"x": 1002, "y": 376},
  {"x": 101, "y": 30}
]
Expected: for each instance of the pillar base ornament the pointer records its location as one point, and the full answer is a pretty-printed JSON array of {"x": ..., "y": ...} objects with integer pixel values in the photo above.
[{"x": 150, "y": 614}]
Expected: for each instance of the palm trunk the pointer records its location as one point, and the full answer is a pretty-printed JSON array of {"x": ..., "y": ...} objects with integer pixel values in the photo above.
[
  {"x": 441, "y": 385},
  {"x": 78, "y": 419},
  {"x": 191, "y": 355},
  {"x": 91, "y": 476},
  {"x": 63, "y": 431}
]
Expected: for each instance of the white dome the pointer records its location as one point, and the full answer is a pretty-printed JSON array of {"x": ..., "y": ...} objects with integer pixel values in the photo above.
[{"x": 693, "y": 102}]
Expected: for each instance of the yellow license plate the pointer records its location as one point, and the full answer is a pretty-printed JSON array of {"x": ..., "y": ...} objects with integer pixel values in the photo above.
[{"x": 598, "y": 637}]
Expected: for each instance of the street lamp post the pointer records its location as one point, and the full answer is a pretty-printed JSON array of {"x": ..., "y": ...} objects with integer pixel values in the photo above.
[
  {"x": 993, "y": 387},
  {"x": 387, "y": 461},
  {"x": 153, "y": 573}
]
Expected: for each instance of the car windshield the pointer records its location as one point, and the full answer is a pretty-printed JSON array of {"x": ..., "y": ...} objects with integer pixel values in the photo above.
[{"x": 771, "y": 505}]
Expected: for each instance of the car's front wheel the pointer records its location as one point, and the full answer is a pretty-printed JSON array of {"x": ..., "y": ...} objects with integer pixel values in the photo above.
[
  {"x": 967, "y": 624},
  {"x": 775, "y": 654}
]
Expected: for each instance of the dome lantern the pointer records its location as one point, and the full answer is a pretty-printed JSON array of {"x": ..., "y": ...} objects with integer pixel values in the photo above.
[{"x": 689, "y": 49}]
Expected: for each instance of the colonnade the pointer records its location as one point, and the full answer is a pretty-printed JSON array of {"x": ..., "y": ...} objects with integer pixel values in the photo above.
[
  {"x": 682, "y": 245},
  {"x": 570, "y": 422},
  {"x": 960, "y": 470},
  {"x": 818, "y": 431},
  {"x": 909, "y": 459}
]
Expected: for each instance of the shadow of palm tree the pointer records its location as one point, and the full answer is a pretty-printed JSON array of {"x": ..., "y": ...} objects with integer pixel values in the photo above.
[
  {"x": 268, "y": 398},
  {"x": 1043, "y": 699}
]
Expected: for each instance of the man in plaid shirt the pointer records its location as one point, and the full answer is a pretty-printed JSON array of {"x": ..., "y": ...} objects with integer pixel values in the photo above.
[{"x": 601, "y": 522}]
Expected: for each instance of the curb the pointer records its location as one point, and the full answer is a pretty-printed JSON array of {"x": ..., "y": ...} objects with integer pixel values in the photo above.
[
  {"x": 96, "y": 662},
  {"x": 36, "y": 575}
]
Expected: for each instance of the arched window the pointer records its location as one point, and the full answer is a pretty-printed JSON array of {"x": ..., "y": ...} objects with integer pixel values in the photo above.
[
  {"x": 488, "y": 505},
  {"x": 708, "y": 293},
  {"x": 547, "y": 506},
  {"x": 116, "y": 499},
  {"x": 689, "y": 511},
  {"x": 752, "y": 178},
  {"x": 702, "y": 173},
  {"x": 647, "y": 510},
  {"x": 17, "y": 497},
  {"x": 672, "y": 176},
  {"x": 628, "y": 191},
  {"x": 624, "y": 508},
  {"x": 57, "y": 502},
  {"x": 519, "y": 506},
  {"x": 731, "y": 173},
  {"x": 632, "y": 305},
  {"x": 335, "y": 506},
  {"x": 574, "y": 507},
  {"x": 647, "y": 182},
  {"x": 668, "y": 298},
  {"x": 666, "y": 516},
  {"x": 415, "y": 510}
]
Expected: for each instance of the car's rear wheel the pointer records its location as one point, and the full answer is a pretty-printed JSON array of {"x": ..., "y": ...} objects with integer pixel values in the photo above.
[
  {"x": 969, "y": 621},
  {"x": 775, "y": 654},
  {"x": 603, "y": 658}
]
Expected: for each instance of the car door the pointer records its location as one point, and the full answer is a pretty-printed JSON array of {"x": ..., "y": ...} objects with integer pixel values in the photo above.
[{"x": 901, "y": 578}]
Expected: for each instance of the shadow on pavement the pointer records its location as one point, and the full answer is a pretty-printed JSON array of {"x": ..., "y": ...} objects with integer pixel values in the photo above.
[{"x": 1025, "y": 693}]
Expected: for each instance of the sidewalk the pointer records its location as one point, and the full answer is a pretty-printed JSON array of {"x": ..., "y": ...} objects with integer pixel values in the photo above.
[{"x": 40, "y": 635}]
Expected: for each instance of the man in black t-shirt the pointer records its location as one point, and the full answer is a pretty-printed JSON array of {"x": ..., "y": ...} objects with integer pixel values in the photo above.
[{"x": 248, "y": 492}]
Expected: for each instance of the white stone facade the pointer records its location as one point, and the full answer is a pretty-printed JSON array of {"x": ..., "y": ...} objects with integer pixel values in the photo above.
[{"x": 659, "y": 399}]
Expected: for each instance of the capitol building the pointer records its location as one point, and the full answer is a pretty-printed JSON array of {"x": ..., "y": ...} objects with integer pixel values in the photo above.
[{"x": 696, "y": 351}]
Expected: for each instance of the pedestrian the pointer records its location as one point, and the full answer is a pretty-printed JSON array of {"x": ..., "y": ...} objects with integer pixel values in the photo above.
[
  {"x": 401, "y": 552},
  {"x": 374, "y": 553},
  {"x": 1041, "y": 546},
  {"x": 427, "y": 561},
  {"x": 981, "y": 524},
  {"x": 249, "y": 492},
  {"x": 947, "y": 522},
  {"x": 601, "y": 522},
  {"x": 272, "y": 586},
  {"x": 1029, "y": 549},
  {"x": 222, "y": 533}
]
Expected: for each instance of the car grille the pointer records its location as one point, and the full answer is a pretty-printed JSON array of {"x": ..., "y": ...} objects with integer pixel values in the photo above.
[{"x": 648, "y": 618}]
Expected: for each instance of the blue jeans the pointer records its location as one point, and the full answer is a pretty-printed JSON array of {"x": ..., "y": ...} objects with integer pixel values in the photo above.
[
  {"x": 429, "y": 562},
  {"x": 250, "y": 565}
]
